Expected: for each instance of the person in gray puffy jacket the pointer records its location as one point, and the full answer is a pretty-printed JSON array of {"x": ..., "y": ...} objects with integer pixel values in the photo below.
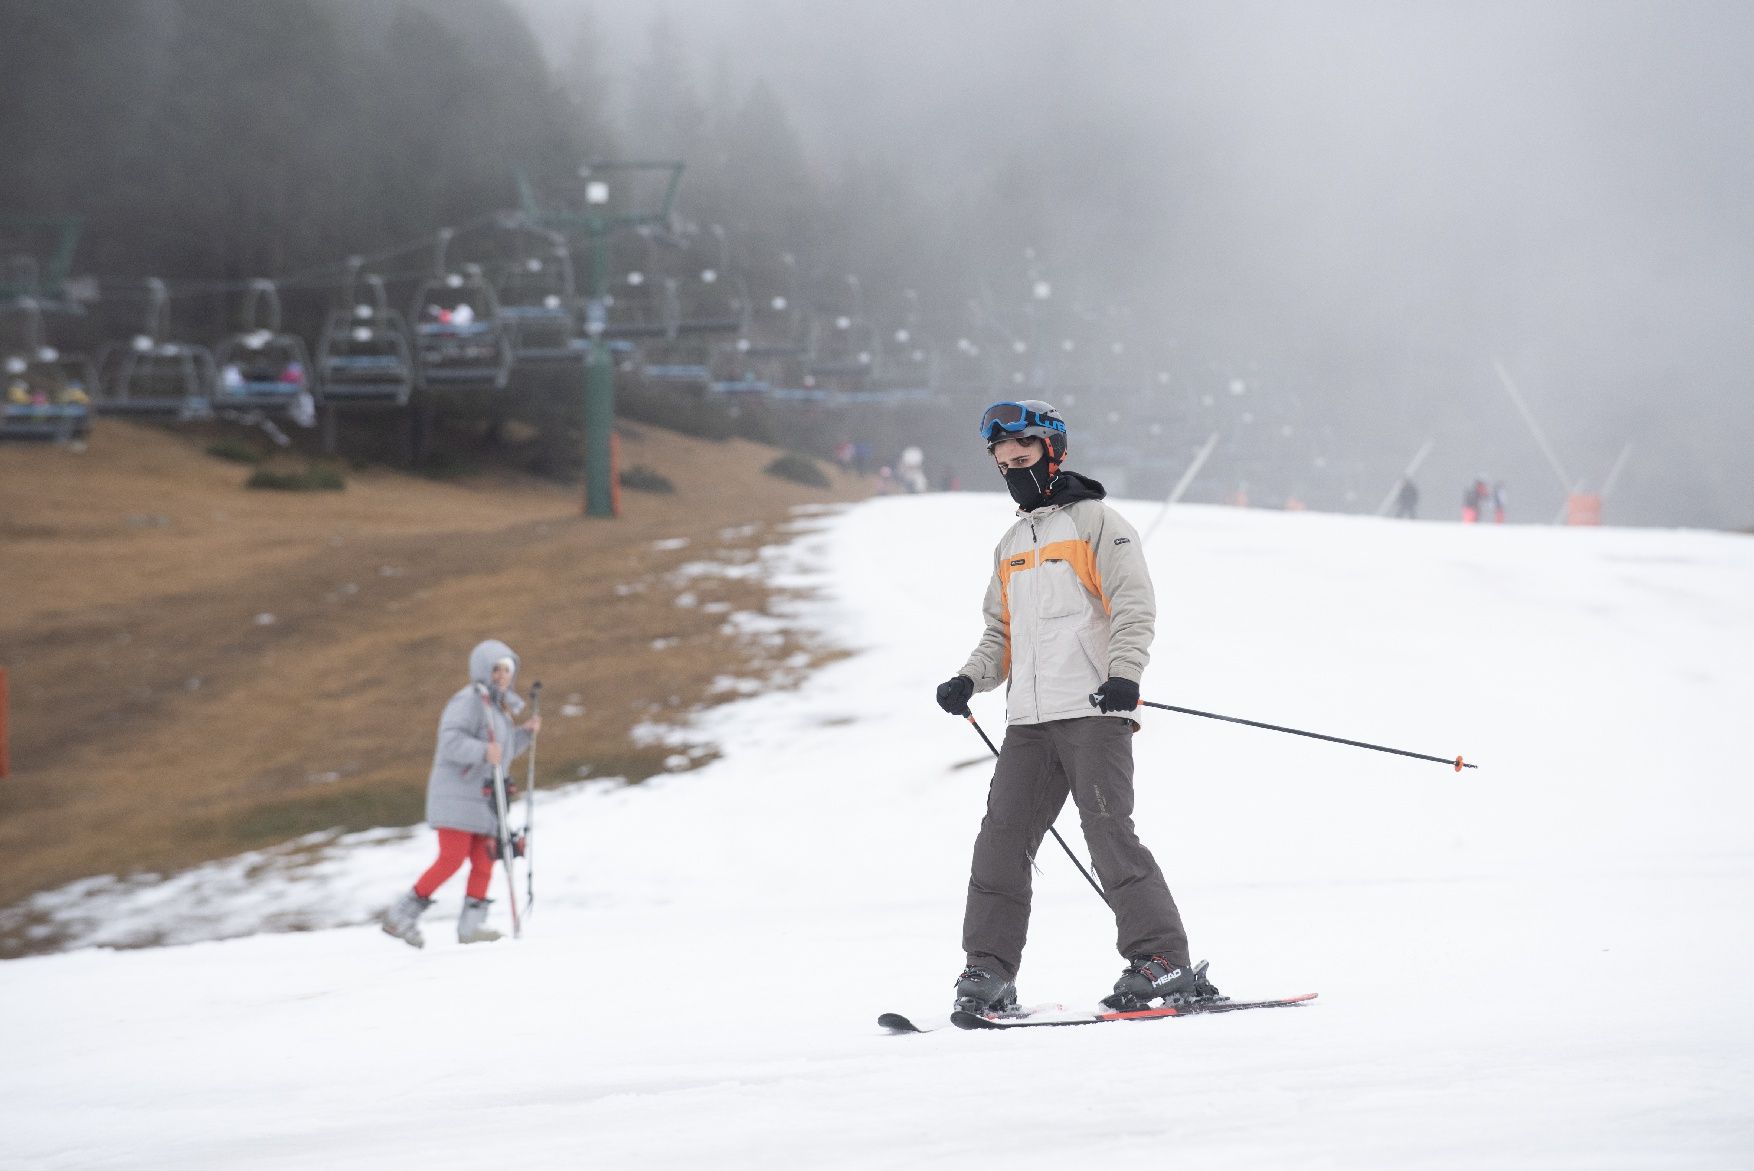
[
  {"x": 1069, "y": 617},
  {"x": 476, "y": 733}
]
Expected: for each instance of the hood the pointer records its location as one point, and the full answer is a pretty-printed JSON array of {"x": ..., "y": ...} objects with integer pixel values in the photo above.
[
  {"x": 1068, "y": 487},
  {"x": 481, "y": 661},
  {"x": 485, "y": 655}
]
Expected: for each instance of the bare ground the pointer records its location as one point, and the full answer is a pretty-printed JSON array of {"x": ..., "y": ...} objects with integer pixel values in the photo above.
[{"x": 198, "y": 669}]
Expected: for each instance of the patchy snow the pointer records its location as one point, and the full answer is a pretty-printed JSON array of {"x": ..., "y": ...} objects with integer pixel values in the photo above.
[{"x": 1538, "y": 964}]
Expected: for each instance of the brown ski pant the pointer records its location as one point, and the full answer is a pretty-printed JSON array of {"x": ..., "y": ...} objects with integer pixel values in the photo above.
[{"x": 1038, "y": 763}]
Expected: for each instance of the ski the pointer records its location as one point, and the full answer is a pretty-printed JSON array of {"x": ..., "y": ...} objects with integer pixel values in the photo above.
[
  {"x": 896, "y": 1023},
  {"x": 1058, "y": 1016}
]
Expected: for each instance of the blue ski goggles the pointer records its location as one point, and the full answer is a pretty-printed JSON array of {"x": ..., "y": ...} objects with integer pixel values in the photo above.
[{"x": 1002, "y": 419}]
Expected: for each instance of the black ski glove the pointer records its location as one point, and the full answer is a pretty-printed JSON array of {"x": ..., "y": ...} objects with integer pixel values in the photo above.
[
  {"x": 1117, "y": 695},
  {"x": 953, "y": 694}
]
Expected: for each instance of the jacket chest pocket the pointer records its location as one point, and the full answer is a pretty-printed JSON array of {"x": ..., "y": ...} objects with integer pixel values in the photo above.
[{"x": 1059, "y": 593}]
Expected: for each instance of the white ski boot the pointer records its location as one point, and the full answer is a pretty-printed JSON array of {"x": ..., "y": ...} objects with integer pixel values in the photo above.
[
  {"x": 403, "y": 919},
  {"x": 472, "y": 923}
]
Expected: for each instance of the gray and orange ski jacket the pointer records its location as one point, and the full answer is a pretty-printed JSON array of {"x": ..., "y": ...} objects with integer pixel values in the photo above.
[{"x": 1070, "y": 604}]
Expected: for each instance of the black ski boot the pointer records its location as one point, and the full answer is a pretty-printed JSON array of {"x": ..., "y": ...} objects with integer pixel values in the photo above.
[
  {"x": 1153, "y": 978},
  {"x": 980, "y": 991}
]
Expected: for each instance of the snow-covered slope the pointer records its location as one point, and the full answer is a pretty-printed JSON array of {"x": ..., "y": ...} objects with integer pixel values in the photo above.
[{"x": 1540, "y": 963}]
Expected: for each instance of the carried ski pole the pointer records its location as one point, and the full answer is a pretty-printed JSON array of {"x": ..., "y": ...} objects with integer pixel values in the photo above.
[
  {"x": 969, "y": 716},
  {"x": 1457, "y": 763},
  {"x": 530, "y": 806},
  {"x": 500, "y": 806}
]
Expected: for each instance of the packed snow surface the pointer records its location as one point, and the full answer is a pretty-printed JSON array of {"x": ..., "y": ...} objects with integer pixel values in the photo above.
[{"x": 1541, "y": 963}]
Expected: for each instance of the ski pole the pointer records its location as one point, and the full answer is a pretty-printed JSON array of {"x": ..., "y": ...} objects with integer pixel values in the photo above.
[
  {"x": 530, "y": 805},
  {"x": 969, "y": 716},
  {"x": 1457, "y": 763}
]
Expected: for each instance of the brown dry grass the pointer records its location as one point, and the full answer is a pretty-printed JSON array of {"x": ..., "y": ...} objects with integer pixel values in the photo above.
[{"x": 158, "y": 721}]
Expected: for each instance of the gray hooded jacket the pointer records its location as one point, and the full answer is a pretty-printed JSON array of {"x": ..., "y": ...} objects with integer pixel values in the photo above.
[{"x": 459, "y": 764}]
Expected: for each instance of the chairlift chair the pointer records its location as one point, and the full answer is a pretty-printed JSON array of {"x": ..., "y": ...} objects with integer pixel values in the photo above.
[
  {"x": 709, "y": 306},
  {"x": 262, "y": 366},
  {"x": 685, "y": 361},
  {"x": 774, "y": 327},
  {"x": 148, "y": 375},
  {"x": 768, "y": 350},
  {"x": 460, "y": 342},
  {"x": 907, "y": 360},
  {"x": 709, "y": 297},
  {"x": 843, "y": 351},
  {"x": 640, "y": 302},
  {"x": 47, "y": 394},
  {"x": 974, "y": 361},
  {"x": 539, "y": 306},
  {"x": 363, "y": 356},
  {"x": 640, "y": 308},
  {"x": 736, "y": 372}
]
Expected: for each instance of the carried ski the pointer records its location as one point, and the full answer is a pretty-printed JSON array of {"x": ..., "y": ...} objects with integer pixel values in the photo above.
[
  {"x": 1062, "y": 1016},
  {"x": 530, "y": 808}
]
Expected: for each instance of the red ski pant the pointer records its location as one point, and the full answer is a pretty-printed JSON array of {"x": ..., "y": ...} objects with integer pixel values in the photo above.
[{"x": 455, "y": 847}]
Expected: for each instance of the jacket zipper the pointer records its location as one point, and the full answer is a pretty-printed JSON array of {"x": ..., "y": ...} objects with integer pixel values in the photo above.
[{"x": 1035, "y": 661}]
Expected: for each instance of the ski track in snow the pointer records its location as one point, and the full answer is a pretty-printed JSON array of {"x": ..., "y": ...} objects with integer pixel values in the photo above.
[{"x": 1537, "y": 964}]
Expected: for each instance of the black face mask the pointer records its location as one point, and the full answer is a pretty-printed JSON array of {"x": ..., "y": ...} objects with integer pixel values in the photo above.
[{"x": 1029, "y": 486}]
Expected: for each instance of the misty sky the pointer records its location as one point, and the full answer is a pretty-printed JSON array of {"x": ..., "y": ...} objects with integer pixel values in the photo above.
[{"x": 1366, "y": 203}]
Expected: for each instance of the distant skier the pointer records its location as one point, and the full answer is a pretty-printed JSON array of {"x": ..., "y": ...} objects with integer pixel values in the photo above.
[
  {"x": 1070, "y": 611},
  {"x": 1497, "y": 502},
  {"x": 475, "y": 733},
  {"x": 1474, "y": 500},
  {"x": 910, "y": 470},
  {"x": 1407, "y": 499}
]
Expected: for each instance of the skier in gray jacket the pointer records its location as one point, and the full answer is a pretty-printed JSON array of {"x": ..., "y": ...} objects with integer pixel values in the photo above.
[
  {"x": 475, "y": 734},
  {"x": 1069, "y": 617}
]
